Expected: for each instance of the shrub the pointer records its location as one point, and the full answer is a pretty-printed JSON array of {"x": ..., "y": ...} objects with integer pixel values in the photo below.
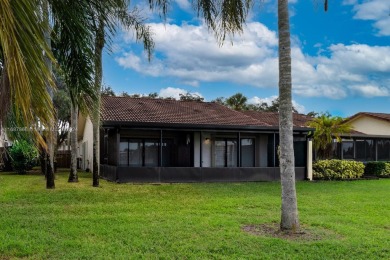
[
  {"x": 23, "y": 156},
  {"x": 377, "y": 168},
  {"x": 337, "y": 169}
]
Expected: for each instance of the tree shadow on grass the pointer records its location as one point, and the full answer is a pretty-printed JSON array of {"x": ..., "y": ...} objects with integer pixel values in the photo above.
[{"x": 306, "y": 234}]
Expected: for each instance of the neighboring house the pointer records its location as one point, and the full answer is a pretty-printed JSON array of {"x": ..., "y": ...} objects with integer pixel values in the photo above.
[
  {"x": 370, "y": 139},
  {"x": 85, "y": 143},
  {"x": 157, "y": 140}
]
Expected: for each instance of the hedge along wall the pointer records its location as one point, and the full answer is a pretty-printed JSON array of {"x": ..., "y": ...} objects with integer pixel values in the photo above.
[
  {"x": 337, "y": 169},
  {"x": 377, "y": 168}
]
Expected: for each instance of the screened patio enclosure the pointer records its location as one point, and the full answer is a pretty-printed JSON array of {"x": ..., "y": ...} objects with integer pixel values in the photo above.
[
  {"x": 196, "y": 155},
  {"x": 166, "y": 140},
  {"x": 363, "y": 149}
]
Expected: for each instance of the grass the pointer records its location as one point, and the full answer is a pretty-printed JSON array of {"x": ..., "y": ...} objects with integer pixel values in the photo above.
[{"x": 188, "y": 221}]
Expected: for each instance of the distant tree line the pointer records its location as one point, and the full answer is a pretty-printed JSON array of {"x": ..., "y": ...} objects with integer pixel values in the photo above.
[{"x": 108, "y": 91}]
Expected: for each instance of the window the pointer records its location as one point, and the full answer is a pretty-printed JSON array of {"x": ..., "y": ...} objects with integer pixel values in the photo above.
[
  {"x": 139, "y": 152},
  {"x": 347, "y": 149},
  {"x": 123, "y": 153},
  {"x": 360, "y": 150},
  {"x": 225, "y": 153},
  {"x": 135, "y": 152},
  {"x": 383, "y": 150},
  {"x": 365, "y": 150},
  {"x": 300, "y": 150},
  {"x": 151, "y": 153},
  {"x": 167, "y": 148},
  {"x": 248, "y": 152},
  {"x": 219, "y": 156},
  {"x": 336, "y": 150}
]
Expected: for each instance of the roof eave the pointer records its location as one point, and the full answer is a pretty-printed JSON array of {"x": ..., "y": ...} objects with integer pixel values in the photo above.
[{"x": 125, "y": 124}]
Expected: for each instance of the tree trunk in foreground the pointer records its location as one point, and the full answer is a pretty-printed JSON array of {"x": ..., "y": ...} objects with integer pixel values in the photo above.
[
  {"x": 51, "y": 133},
  {"x": 289, "y": 212},
  {"x": 99, "y": 44},
  {"x": 73, "y": 143}
]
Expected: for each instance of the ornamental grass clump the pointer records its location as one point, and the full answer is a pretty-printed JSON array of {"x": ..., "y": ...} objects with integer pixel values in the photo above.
[{"x": 337, "y": 169}]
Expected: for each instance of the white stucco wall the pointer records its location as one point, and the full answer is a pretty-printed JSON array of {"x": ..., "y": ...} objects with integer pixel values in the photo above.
[
  {"x": 371, "y": 126},
  {"x": 87, "y": 142},
  {"x": 309, "y": 160},
  {"x": 206, "y": 150}
]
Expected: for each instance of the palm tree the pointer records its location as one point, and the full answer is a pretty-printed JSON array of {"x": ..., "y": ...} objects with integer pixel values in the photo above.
[
  {"x": 74, "y": 49},
  {"x": 237, "y": 101},
  {"x": 26, "y": 78},
  {"x": 328, "y": 129},
  {"x": 116, "y": 12},
  {"x": 289, "y": 212}
]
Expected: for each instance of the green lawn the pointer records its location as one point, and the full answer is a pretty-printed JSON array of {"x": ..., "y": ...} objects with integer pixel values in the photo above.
[{"x": 188, "y": 221}]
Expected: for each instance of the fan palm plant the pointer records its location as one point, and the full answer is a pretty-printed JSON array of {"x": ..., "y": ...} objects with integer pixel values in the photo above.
[{"x": 328, "y": 129}]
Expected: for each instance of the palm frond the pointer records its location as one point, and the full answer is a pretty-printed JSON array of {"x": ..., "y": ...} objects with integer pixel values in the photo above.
[
  {"x": 25, "y": 76},
  {"x": 73, "y": 46},
  {"x": 143, "y": 32}
]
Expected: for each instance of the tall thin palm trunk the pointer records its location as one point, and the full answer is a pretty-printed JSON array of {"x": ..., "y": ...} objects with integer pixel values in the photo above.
[
  {"x": 73, "y": 143},
  {"x": 51, "y": 133},
  {"x": 289, "y": 212},
  {"x": 99, "y": 44}
]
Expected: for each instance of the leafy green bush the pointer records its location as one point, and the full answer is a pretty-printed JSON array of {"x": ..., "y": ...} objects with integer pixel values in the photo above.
[
  {"x": 377, "y": 168},
  {"x": 337, "y": 169},
  {"x": 23, "y": 156}
]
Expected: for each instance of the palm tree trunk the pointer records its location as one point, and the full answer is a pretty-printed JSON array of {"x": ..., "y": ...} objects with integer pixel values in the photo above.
[
  {"x": 99, "y": 44},
  {"x": 289, "y": 212},
  {"x": 73, "y": 143},
  {"x": 51, "y": 133}
]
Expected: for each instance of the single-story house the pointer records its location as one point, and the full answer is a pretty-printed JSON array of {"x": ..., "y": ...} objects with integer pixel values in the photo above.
[
  {"x": 161, "y": 140},
  {"x": 369, "y": 140}
]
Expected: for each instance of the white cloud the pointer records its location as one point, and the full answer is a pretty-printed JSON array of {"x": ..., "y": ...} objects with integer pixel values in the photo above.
[
  {"x": 370, "y": 90},
  {"x": 192, "y": 83},
  {"x": 175, "y": 92},
  {"x": 349, "y": 2},
  {"x": 375, "y": 10},
  {"x": 300, "y": 108},
  {"x": 129, "y": 61},
  {"x": 190, "y": 54},
  {"x": 184, "y": 4},
  {"x": 356, "y": 64},
  {"x": 256, "y": 100}
]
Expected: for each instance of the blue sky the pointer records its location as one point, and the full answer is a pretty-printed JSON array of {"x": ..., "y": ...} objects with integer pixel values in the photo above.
[{"x": 341, "y": 58}]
